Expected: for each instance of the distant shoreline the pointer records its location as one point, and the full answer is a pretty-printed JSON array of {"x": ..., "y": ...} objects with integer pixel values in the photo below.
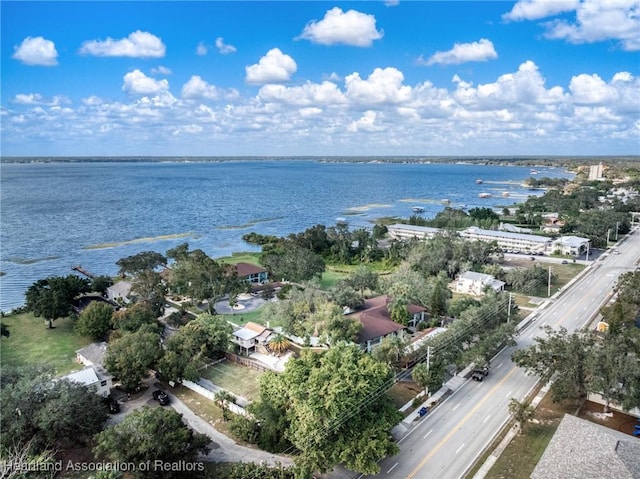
[{"x": 475, "y": 160}]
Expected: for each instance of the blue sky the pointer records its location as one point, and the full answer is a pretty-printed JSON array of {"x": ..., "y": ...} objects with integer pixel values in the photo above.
[{"x": 532, "y": 77}]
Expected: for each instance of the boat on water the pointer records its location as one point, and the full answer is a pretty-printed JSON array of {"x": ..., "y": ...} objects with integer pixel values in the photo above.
[
  {"x": 445, "y": 200},
  {"x": 417, "y": 209},
  {"x": 478, "y": 182},
  {"x": 505, "y": 194},
  {"x": 484, "y": 195},
  {"x": 341, "y": 221},
  {"x": 534, "y": 172}
]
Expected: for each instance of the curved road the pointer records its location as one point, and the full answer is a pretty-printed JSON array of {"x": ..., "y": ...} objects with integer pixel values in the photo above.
[{"x": 446, "y": 443}]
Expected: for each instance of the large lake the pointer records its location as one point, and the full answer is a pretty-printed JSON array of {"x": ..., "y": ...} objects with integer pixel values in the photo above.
[{"x": 57, "y": 215}]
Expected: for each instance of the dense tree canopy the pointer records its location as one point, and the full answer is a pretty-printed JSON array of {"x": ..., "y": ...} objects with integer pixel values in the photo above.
[
  {"x": 151, "y": 434},
  {"x": 52, "y": 298},
  {"x": 332, "y": 408},
  {"x": 47, "y": 413},
  {"x": 144, "y": 261},
  {"x": 95, "y": 320},
  {"x": 130, "y": 357},
  {"x": 206, "y": 337}
]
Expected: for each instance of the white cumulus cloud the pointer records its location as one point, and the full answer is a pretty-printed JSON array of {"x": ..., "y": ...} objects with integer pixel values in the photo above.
[
  {"x": 479, "y": 51},
  {"x": 138, "y": 83},
  {"x": 274, "y": 67},
  {"x": 137, "y": 45},
  {"x": 197, "y": 88},
  {"x": 161, "y": 70},
  {"x": 595, "y": 20},
  {"x": 223, "y": 47},
  {"x": 201, "y": 49},
  {"x": 36, "y": 51},
  {"x": 536, "y": 9},
  {"x": 382, "y": 86},
  {"x": 347, "y": 28}
]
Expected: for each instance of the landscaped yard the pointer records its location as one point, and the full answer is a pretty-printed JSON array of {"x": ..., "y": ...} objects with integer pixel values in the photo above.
[
  {"x": 244, "y": 257},
  {"x": 31, "y": 343},
  {"x": 240, "y": 380}
]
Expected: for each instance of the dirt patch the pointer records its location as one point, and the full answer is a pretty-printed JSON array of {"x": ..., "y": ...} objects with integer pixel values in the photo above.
[{"x": 619, "y": 421}]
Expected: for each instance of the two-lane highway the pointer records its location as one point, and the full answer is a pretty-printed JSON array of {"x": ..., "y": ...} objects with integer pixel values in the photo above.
[{"x": 446, "y": 443}]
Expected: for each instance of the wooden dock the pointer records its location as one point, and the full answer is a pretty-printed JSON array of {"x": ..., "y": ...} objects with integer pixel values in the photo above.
[{"x": 83, "y": 271}]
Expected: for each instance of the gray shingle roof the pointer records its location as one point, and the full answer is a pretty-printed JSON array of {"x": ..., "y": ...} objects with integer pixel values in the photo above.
[{"x": 581, "y": 449}]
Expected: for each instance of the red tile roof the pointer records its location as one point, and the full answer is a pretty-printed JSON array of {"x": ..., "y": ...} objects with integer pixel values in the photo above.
[{"x": 376, "y": 320}]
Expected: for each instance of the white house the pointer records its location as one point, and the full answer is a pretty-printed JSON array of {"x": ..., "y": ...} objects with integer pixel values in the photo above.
[
  {"x": 92, "y": 379},
  {"x": 571, "y": 245},
  {"x": 119, "y": 292},
  {"x": 471, "y": 282},
  {"x": 251, "y": 337}
]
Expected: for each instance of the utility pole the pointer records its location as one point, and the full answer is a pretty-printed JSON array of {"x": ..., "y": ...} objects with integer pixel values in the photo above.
[
  {"x": 509, "y": 310},
  {"x": 587, "y": 257},
  {"x": 428, "y": 357},
  {"x": 617, "y": 226},
  {"x": 549, "y": 283},
  {"x": 608, "y": 232}
]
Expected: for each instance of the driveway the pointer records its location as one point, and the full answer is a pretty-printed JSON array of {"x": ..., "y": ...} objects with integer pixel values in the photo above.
[{"x": 222, "y": 448}]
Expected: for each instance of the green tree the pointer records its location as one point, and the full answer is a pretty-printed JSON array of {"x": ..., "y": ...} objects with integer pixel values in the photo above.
[
  {"x": 206, "y": 337},
  {"x": 343, "y": 294},
  {"x": 363, "y": 279},
  {"x": 52, "y": 298},
  {"x": 223, "y": 399},
  {"x": 46, "y": 413},
  {"x": 4, "y": 330},
  {"x": 140, "y": 262},
  {"x": 99, "y": 284},
  {"x": 398, "y": 309},
  {"x": 293, "y": 264},
  {"x": 149, "y": 288},
  {"x": 95, "y": 320},
  {"x": 132, "y": 318},
  {"x": 332, "y": 408},
  {"x": 130, "y": 357},
  {"x": 420, "y": 375},
  {"x": 391, "y": 350},
  {"x": 522, "y": 412},
  {"x": 564, "y": 353},
  {"x": 151, "y": 434}
]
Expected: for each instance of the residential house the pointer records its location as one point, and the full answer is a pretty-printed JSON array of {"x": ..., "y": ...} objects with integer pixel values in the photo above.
[
  {"x": 93, "y": 379},
  {"x": 580, "y": 449},
  {"x": 377, "y": 323},
  {"x": 474, "y": 283},
  {"x": 571, "y": 245},
  {"x": 252, "y": 273},
  {"x": 251, "y": 338},
  {"x": 92, "y": 356},
  {"x": 120, "y": 292}
]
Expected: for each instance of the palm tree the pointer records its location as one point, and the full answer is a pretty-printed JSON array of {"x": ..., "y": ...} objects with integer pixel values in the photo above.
[
  {"x": 222, "y": 399},
  {"x": 278, "y": 344},
  {"x": 522, "y": 411},
  {"x": 398, "y": 310}
]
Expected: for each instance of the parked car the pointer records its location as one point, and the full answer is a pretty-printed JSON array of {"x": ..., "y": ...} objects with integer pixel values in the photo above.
[
  {"x": 113, "y": 406},
  {"x": 161, "y": 396}
]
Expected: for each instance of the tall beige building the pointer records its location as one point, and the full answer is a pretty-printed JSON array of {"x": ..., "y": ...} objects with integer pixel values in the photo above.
[{"x": 596, "y": 172}]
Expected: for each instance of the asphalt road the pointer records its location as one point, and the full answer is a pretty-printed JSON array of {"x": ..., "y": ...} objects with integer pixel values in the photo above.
[{"x": 446, "y": 443}]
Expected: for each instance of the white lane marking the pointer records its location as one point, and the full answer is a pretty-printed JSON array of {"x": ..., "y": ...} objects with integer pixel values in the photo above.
[
  {"x": 486, "y": 419},
  {"x": 425, "y": 436},
  {"x": 456, "y": 406},
  {"x": 392, "y": 468},
  {"x": 509, "y": 393},
  {"x": 459, "y": 449},
  {"x": 499, "y": 365},
  {"x": 479, "y": 384}
]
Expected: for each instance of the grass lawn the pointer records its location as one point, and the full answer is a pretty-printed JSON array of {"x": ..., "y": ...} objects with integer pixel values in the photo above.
[
  {"x": 238, "y": 379},
  {"x": 243, "y": 318},
  {"x": 201, "y": 406},
  {"x": 243, "y": 257},
  {"x": 330, "y": 277},
  {"x": 403, "y": 392},
  {"x": 31, "y": 343}
]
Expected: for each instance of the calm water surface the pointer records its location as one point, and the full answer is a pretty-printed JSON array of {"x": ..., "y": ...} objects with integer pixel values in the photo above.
[{"x": 56, "y": 215}]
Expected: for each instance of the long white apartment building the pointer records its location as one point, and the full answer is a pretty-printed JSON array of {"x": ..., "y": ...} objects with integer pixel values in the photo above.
[
  {"x": 403, "y": 232},
  {"x": 510, "y": 241}
]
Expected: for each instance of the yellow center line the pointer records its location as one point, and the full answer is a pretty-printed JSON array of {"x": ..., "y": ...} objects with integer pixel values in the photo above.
[{"x": 459, "y": 425}]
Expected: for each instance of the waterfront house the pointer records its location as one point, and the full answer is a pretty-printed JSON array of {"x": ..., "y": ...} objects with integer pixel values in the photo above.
[
  {"x": 474, "y": 283},
  {"x": 120, "y": 292},
  {"x": 252, "y": 273},
  {"x": 92, "y": 357},
  {"x": 377, "y": 323},
  {"x": 251, "y": 338}
]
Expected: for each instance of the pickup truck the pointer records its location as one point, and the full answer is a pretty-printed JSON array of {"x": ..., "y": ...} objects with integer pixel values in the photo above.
[
  {"x": 479, "y": 374},
  {"x": 161, "y": 396}
]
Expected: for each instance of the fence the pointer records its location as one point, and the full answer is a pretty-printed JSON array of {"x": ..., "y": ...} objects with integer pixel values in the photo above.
[
  {"x": 242, "y": 361},
  {"x": 197, "y": 388}
]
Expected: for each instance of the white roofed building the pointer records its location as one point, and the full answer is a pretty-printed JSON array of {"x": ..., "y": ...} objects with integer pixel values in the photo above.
[
  {"x": 474, "y": 283},
  {"x": 571, "y": 245},
  {"x": 402, "y": 232},
  {"x": 509, "y": 240},
  {"x": 92, "y": 379}
]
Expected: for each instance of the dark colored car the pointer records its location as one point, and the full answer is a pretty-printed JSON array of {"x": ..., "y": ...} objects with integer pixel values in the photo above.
[
  {"x": 112, "y": 405},
  {"x": 479, "y": 374},
  {"x": 161, "y": 396},
  {"x": 423, "y": 410}
]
